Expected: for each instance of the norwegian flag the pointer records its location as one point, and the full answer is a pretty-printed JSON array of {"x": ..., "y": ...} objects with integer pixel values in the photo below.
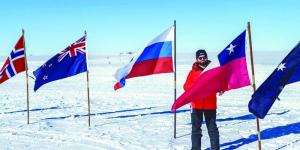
[
  {"x": 78, "y": 46},
  {"x": 15, "y": 63}
]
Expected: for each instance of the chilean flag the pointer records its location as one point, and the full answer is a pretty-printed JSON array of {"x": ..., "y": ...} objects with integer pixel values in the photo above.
[
  {"x": 154, "y": 59},
  {"x": 228, "y": 71}
]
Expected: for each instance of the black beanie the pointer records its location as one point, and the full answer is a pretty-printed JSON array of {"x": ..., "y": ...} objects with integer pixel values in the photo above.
[{"x": 200, "y": 52}]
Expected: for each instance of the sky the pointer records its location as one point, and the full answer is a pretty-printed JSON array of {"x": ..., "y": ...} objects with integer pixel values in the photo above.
[{"x": 115, "y": 26}]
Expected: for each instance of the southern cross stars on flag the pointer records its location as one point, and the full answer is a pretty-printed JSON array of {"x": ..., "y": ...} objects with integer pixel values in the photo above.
[
  {"x": 286, "y": 72},
  {"x": 15, "y": 63},
  {"x": 69, "y": 62},
  {"x": 281, "y": 66}
]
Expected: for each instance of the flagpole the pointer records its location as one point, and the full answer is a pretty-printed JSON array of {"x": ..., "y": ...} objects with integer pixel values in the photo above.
[
  {"x": 175, "y": 77},
  {"x": 88, "y": 87},
  {"x": 253, "y": 80},
  {"x": 26, "y": 69}
]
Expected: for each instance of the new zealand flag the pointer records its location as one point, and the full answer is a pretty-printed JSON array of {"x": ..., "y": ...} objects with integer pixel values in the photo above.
[{"x": 69, "y": 62}]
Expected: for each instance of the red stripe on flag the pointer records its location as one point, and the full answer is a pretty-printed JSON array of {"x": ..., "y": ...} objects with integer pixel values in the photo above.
[
  {"x": 153, "y": 66},
  {"x": 117, "y": 86}
]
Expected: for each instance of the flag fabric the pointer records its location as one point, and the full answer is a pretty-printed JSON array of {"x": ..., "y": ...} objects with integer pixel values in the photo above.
[
  {"x": 228, "y": 71},
  {"x": 155, "y": 58},
  {"x": 69, "y": 62},
  {"x": 287, "y": 72},
  {"x": 15, "y": 63}
]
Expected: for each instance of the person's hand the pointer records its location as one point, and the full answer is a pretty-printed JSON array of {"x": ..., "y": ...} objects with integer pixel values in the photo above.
[{"x": 221, "y": 93}]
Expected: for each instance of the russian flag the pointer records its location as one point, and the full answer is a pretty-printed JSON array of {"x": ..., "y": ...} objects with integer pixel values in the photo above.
[
  {"x": 155, "y": 58},
  {"x": 228, "y": 71}
]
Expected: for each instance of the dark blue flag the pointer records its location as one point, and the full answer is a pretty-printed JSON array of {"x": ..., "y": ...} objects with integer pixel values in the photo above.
[
  {"x": 69, "y": 62},
  {"x": 288, "y": 71}
]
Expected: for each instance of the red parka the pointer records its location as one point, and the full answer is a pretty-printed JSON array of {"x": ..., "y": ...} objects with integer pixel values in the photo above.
[{"x": 208, "y": 103}]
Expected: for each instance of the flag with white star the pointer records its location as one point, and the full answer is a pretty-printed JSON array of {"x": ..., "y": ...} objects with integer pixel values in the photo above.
[
  {"x": 287, "y": 72},
  {"x": 69, "y": 62},
  {"x": 227, "y": 72}
]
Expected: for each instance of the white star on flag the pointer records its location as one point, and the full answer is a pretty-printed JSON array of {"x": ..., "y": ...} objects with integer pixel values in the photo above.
[
  {"x": 230, "y": 48},
  {"x": 281, "y": 66},
  {"x": 45, "y": 77}
]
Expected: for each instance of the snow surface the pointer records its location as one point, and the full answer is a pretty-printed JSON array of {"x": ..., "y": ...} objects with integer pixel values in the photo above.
[{"x": 137, "y": 117}]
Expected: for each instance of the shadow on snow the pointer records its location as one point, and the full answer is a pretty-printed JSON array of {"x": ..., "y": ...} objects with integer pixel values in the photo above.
[
  {"x": 36, "y": 109},
  {"x": 270, "y": 133},
  {"x": 94, "y": 114}
]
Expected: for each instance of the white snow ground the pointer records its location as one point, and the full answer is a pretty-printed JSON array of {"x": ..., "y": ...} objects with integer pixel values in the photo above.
[{"x": 136, "y": 117}]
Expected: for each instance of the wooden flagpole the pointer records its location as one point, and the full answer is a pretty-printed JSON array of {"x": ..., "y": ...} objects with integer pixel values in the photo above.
[
  {"x": 175, "y": 96},
  {"x": 253, "y": 80},
  {"x": 26, "y": 69},
  {"x": 88, "y": 86}
]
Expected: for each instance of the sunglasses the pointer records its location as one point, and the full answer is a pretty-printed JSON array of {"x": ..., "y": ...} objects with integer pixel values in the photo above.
[{"x": 202, "y": 58}]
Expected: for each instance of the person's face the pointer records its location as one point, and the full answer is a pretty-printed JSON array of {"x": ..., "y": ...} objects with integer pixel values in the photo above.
[{"x": 202, "y": 59}]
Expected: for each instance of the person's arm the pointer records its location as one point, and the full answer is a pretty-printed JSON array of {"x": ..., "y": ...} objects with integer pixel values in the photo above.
[{"x": 189, "y": 82}]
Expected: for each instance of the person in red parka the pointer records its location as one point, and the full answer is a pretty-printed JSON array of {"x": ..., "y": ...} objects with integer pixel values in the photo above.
[{"x": 205, "y": 106}]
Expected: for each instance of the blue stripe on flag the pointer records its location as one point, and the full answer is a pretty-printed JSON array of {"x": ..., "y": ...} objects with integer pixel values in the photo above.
[
  {"x": 156, "y": 50},
  {"x": 10, "y": 70},
  {"x": 16, "y": 54}
]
